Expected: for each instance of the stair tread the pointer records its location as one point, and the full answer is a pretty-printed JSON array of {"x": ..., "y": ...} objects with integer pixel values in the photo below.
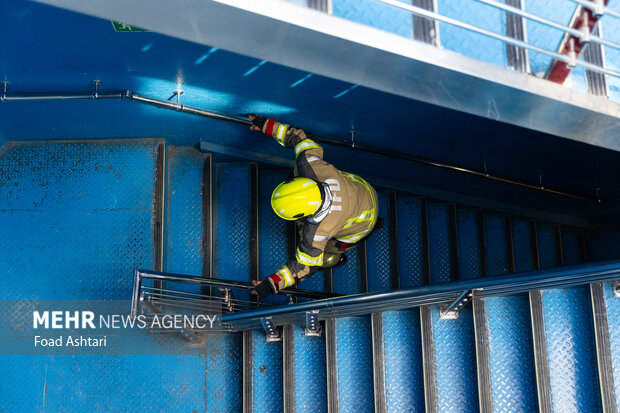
[
  {"x": 310, "y": 372},
  {"x": 267, "y": 386}
]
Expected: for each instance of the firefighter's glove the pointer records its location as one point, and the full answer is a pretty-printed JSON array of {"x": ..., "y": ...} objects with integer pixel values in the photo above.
[
  {"x": 264, "y": 289},
  {"x": 259, "y": 121}
]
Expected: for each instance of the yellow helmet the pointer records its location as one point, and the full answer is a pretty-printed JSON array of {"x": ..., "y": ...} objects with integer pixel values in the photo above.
[{"x": 296, "y": 198}]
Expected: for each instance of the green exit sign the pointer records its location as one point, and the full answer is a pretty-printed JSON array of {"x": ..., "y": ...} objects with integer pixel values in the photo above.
[{"x": 122, "y": 27}]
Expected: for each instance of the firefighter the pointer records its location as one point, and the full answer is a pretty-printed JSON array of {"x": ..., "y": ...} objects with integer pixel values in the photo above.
[{"x": 337, "y": 209}]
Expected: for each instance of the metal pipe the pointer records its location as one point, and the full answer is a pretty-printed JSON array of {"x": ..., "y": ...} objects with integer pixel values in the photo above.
[
  {"x": 499, "y": 285},
  {"x": 185, "y": 109},
  {"x": 61, "y": 96},
  {"x": 515, "y": 42},
  {"x": 575, "y": 32},
  {"x": 218, "y": 116}
]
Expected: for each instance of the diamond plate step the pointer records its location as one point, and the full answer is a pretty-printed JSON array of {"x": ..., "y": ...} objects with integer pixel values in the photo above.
[
  {"x": 272, "y": 236},
  {"x": 402, "y": 361},
  {"x": 188, "y": 212},
  {"x": 103, "y": 200},
  {"x": 305, "y": 371},
  {"x": 353, "y": 365},
  {"x": 571, "y": 352},
  {"x": 378, "y": 247},
  {"x": 224, "y": 374},
  {"x": 412, "y": 256},
  {"x": 439, "y": 243},
  {"x": 232, "y": 222},
  {"x": 263, "y": 385},
  {"x": 468, "y": 241},
  {"x": 449, "y": 361}
]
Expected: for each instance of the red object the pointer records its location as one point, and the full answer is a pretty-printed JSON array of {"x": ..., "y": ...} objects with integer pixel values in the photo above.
[
  {"x": 275, "y": 278},
  {"x": 559, "y": 70},
  {"x": 269, "y": 128}
]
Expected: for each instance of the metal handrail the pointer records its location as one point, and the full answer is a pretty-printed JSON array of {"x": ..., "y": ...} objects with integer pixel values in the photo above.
[
  {"x": 362, "y": 304},
  {"x": 598, "y": 9},
  {"x": 575, "y": 32},
  {"x": 509, "y": 40}
]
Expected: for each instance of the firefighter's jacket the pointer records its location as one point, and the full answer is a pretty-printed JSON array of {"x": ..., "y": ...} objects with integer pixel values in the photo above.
[{"x": 352, "y": 215}]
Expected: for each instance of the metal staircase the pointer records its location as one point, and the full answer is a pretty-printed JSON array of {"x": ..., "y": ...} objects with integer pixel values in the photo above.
[
  {"x": 384, "y": 345},
  {"x": 522, "y": 352}
]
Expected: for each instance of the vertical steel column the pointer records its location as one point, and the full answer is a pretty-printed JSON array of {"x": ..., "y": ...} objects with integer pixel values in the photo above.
[
  {"x": 248, "y": 355},
  {"x": 483, "y": 356},
  {"x": 378, "y": 367},
  {"x": 330, "y": 358},
  {"x": 321, "y": 5},
  {"x": 428, "y": 360},
  {"x": 393, "y": 237},
  {"x": 603, "y": 348},
  {"x": 426, "y": 30},
  {"x": 158, "y": 218},
  {"x": 597, "y": 82},
  {"x": 207, "y": 235},
  {"x": 543, "y": 381},
  {"x": 515, "y": 28},
  {"x": 288, "y": 368}
]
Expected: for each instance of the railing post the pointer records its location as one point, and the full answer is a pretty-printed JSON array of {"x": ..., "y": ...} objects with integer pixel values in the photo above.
[
  {"x": 271, "y": 331},
  {"x": 452, "y": 311},
  {"x": 313, "y": 325}
]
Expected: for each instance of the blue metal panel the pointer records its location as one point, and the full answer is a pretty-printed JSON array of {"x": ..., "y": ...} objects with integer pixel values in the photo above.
[
  {"x": 511, "y": 359},
  {"x": 69, "y": 210},
  {"x": 547, "y": 247},
  {"x": 467, "y": 42},
  {"x": 316, "y": 282},
  {"x": 98, "y": 199},
  {"x": 272, "y": 243},
  {"x": 266, "y": 374},
  {"x": 571, "y": 352},
  {"x": 468, "y": 233},
  {"x": 354, "y": 365},
  {"x": 184, "y": 219},
  {"x": 102, "y": 383},
  {"x": 522, "y": 245},
  {"x": 310, "y": 373},
  {"x": 455, "y": 359},
  {"x": 410, "y": 256},
  {"x": 378, "y": 251},
  {"x": 496, "y": 253},
  {"x": 402, "y": 357},
  {"x": 439, "y": 242},
  {"x": 571, "y": 249},
  {"x": 544, "y": 36},
  {"x": 347, "y": 277},
  {"x": 376, "y": 15},
  {"x": 611, "y": 31},
  {"x": 224, "y": 375},
  {"x": 231, "y": 223},
  {"x": 513, "y": 376},
  {"x": 613, "y": 319}
]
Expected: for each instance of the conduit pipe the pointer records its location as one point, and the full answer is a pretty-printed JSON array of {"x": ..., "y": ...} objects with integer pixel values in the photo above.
[{"x": 177, "y": 106}]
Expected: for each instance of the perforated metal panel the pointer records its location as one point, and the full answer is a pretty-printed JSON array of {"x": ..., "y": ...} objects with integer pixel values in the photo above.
[
  {"x": 354, "y": 364},
  {"x": 378, "y": 251},
  {"x": 410, "y": 259},
  {"x": 402, "y": 356},
  {"x": 570, "y": 350}
]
